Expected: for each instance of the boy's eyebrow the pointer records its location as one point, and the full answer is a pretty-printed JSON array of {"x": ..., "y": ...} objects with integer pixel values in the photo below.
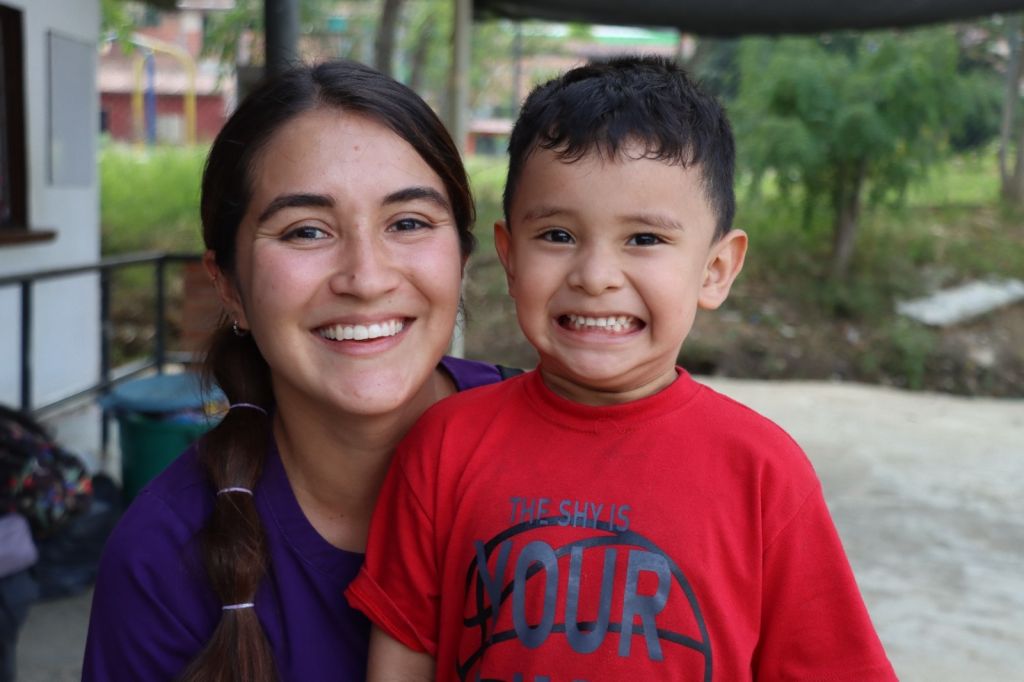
[
  {"x": 543, "y": 211},
  {"x": 417, "y": 192},
  {"x": 293, "y": 201},
  {"x": 641, "y": 218},
  {"x": 654, "y": 220}
]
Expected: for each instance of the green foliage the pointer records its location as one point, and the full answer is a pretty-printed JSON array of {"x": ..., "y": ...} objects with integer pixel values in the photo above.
[
  {"x": 837, "y": 115},
  {"x": 115, "y": 21},
  {"x": 224, "y": 30},
  {"x": 982, "y": 99},
  {"x": 715, "y": 64},
  {"x": 809, "y": 110},
  {"x": 149, "y": 198},
  {"x": 487, "y": 175},
  {"x": 424, "y": 59}
]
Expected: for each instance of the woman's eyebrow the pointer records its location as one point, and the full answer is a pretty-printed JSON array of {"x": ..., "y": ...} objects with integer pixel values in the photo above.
[
  {"x": 418, "y": 192},
  {"x": 294, "y": 201}
]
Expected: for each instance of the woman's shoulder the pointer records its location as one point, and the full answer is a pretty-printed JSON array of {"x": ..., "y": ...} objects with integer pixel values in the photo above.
[
  {"x": 153, "y": 607},
  {"x": 165, "y": 516},
  {"x": 469, "y": 374}
]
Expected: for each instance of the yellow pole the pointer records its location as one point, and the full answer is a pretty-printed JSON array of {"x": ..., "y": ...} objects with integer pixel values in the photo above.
[
  {"x": 189, "y": 65},
  {"x": 138, "y": 110}
]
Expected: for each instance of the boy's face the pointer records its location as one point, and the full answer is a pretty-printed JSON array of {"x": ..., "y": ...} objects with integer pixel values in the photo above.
[{"x": 608, "y": 261}]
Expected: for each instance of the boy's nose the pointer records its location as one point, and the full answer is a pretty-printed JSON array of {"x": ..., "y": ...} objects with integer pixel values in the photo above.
[
  {"x": 365, "y": 269},
  {"x": 596, "y": 270}
]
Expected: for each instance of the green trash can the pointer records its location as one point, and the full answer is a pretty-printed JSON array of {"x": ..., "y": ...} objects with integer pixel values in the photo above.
[{"x": 158, "y": 417}]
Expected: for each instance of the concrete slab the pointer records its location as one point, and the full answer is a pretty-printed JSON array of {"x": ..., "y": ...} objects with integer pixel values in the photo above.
[
  {"x": 965, "y": 302},
  {"x": 927, "y": 492}
]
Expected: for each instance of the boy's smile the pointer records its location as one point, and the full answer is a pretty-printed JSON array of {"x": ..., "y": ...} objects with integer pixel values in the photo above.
[{"x": 608, "y": 261}]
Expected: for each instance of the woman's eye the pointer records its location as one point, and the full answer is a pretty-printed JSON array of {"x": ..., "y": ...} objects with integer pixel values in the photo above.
[
  {"x": 557, "y": 236},
  {"x": 408, "y": 225},
  {"x": 305, "y": 233},
  {"x": 644, "y": 239}
]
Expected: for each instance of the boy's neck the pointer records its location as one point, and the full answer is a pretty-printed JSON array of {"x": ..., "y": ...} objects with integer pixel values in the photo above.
[{"x": 614, "y": 394}]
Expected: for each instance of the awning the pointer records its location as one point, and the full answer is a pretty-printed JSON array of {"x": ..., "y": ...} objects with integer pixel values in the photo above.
[{"x": 739, "y": 17}]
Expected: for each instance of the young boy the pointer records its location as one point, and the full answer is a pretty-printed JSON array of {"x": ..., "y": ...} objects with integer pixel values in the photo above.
[{"x": 605, "y": 517}]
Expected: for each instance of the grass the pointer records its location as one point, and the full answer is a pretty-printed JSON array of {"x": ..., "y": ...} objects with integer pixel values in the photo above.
[{"x": 950, "y": 228}]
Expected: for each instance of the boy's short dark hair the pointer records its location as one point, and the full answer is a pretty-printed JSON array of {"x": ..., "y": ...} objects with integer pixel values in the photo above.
[{"x": 607, "y": 104}]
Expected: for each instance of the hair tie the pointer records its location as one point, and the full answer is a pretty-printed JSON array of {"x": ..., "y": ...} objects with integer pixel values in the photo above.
[
  {"x": 250, "y": 406},
  {"x": 235, "y": 607},
  {"x": 235, "y": 489}
]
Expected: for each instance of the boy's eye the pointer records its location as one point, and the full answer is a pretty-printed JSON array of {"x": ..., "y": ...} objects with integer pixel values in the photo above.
[
  {"x": 305, "y": 233},
  {"x": 644, "y": 239},
  {"x": 557, "y": 236},
  {"x": 408, "y": 225}
]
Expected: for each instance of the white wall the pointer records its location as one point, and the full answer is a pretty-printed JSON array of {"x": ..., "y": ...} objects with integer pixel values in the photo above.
[{"x": 66, "y": 324}]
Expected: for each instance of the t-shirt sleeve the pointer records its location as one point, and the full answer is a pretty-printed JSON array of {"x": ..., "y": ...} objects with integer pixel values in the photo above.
[
  {"x": 814, "y": 622},
  {"x": 152, "y": 610},
  {"x": 398, "y": 586}
]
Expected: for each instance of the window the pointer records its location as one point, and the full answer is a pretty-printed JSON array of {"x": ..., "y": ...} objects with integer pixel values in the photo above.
[{"x": 13, "y": 170}]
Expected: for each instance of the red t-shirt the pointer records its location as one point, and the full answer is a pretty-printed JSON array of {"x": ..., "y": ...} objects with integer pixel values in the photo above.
[{"x": 520, "y": 536}]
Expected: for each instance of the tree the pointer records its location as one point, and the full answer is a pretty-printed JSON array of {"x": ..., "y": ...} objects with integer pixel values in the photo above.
[
  {"x": 225, "y": 30},
  {"x": 1012, "y": 184},
  {"x": 387, "y": 28},
  {"x": 847, "y": 119},
  {"x": 115, "y": 21}
]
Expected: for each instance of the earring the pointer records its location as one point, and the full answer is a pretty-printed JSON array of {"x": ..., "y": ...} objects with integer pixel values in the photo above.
[{"x": 238, "y": 330}]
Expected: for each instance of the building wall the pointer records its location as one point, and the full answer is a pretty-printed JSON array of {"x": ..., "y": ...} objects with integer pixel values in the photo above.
[
  {"x": 210, "y": 114},
  {"x": 66, "y": 314}
]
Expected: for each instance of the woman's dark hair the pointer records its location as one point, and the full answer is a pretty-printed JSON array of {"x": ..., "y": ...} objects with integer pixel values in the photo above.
[
  {"x": 607, "y": 104},
  {"x": 232, "y": 453}
]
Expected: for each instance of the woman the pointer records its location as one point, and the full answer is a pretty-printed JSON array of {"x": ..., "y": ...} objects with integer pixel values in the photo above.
[{"x": 336, "y": 216}]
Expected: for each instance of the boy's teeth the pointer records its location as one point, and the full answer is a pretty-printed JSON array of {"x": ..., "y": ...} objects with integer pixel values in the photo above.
[
  {"x": 616, "y": 323},
  {"x": 361, "y": 332}
]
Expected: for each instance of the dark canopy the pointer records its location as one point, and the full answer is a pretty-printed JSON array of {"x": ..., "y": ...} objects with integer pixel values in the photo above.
[{"x": 737, "y": 17}]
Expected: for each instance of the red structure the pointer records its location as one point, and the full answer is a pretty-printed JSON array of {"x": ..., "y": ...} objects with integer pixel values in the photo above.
[
  {"x": 116, "y": 108},
  {"x": 122, "y": 79}
]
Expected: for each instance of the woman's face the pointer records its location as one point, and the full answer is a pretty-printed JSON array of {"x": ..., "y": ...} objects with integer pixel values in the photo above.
[{"x": 348, "y": 265}]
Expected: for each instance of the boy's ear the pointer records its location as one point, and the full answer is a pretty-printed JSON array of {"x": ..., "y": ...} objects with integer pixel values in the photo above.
[
  {"x": 226, "y": 290},
  {"x": 503, "y": 245},
  {"x": 725, "y": 260}
]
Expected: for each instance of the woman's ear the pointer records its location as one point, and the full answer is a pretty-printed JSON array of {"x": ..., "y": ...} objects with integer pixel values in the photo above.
[
  {"x": 725, "y": 260},
  {"x": 503, "y": 245},
  {"x": 226, "y": 290}
]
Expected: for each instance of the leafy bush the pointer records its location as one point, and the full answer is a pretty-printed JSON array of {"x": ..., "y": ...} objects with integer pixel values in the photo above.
[
  {"x": 149, "y": 198},
  {"x": 487, "y": 175}
]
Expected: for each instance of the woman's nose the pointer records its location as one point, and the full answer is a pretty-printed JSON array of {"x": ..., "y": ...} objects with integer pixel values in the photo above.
[
  {"x": 596, "y": 270},
  {"x": 365, "y": 269}
]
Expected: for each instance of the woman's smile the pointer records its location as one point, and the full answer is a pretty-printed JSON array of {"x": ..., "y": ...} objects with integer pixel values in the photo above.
[{"x": 362, "y": 332}]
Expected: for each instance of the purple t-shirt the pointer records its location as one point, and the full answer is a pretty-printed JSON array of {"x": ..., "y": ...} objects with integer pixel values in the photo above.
[{"x": 153, "y": 609}]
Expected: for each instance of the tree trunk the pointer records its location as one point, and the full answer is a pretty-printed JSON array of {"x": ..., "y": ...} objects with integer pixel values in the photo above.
[
  {"x": 847, "y": 201},
  {"x": 387, "y": 28},
  {"x": 420, "y": 52},
  {"x": 1010, "y": 185},
  {"x": 1013, "y": 189}
]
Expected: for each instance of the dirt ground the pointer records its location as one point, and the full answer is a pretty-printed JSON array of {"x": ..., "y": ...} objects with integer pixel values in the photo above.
[{"x": 927, "y": 491}]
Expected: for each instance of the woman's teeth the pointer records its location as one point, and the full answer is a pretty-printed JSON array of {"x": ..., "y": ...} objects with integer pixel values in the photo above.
[
  {"x": 618, "y": 323},
  {"x": 361, "y": 332}
]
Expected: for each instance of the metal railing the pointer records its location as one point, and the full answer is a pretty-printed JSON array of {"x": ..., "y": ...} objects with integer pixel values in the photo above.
[{"x": 108, "y": 376}]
